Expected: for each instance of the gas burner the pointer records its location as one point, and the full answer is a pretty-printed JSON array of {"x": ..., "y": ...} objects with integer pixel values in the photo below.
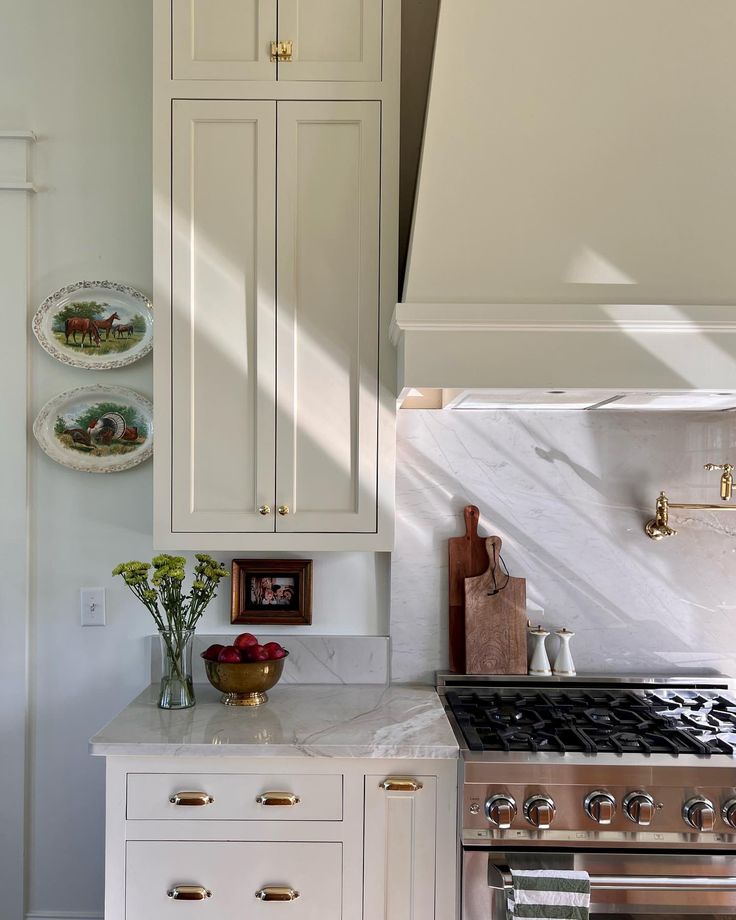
[{"x": 592, "y": 721}]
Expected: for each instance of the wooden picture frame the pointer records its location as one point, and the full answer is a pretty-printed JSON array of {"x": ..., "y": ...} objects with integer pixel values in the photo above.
[{"x": 277, "y": 592}]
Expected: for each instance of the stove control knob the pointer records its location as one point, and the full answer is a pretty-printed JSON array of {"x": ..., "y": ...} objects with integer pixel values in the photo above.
[
  {"x": 639, "y": 807},
  {"x": 600, "y": 806},
  {"x": 700, "y": 814},
  {"x": 501, "y": 811},
  {"x": 539, "y": 810},
  {"x": 728, "y": 812}
]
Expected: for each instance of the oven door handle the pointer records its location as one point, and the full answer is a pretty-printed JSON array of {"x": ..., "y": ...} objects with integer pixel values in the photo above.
[{"x": 504, "y": 882}]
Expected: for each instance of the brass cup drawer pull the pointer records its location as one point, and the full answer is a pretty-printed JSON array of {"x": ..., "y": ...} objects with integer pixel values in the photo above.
[
  {"x": 278, "y": 799},
  {"x": 189, "y": 893},
  {"x": 277, "y": 893},
  {"x": 191, "y": 798},
  {"x": 400, "y": 784}
]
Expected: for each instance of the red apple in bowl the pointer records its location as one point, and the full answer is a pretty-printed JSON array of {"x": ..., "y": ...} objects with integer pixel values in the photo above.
[
  {"x": 229, "y": 655},
  {"x": 245, "y": 640},
  {"x": 257, "y": 653},
  {"x": 271, "y": 647},
  {"x": 278, "y": 653},
  {"x": 213, "y": 651}
]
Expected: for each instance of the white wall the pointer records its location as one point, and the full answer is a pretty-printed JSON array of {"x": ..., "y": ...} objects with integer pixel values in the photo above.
[
  {"x": 78, "y": 73},
  {"x": 569, "y": 493}
]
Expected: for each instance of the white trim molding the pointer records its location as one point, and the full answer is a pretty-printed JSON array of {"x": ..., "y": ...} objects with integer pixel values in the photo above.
[
  {"x": 14, "y": 610},
  {"x": 64, "y": 915},
  {"x": 621, "y": 346}
]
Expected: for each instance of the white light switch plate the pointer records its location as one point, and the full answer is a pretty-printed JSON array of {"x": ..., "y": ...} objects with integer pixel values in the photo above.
[{"x": 93, "y": 606}]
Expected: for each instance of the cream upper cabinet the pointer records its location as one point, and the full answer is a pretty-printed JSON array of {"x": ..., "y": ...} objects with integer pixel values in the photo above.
[
  {"x": 223, "y": 39},
  {"x": 331, "y": 39},
  {"x": 231, "y": 39},
  {"x": 265, "y": 438},
  {"x": 275, "y": 274},
  {"x": 328, "y": 307},
  {"x": 223, "y": 315}
]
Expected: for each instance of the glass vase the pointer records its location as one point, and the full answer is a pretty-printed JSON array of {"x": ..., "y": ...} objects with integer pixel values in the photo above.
[{"x": 177, "y": 689}]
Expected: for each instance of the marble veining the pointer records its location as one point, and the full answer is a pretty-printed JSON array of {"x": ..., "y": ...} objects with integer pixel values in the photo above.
[
  {"x": 569, "y": 493},
  {"x": 312, "y": 659},
  {"x": 308, "y": 721}
]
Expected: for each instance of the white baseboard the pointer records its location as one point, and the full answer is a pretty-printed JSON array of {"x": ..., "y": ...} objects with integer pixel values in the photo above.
[{"x": 64, "y": 915}]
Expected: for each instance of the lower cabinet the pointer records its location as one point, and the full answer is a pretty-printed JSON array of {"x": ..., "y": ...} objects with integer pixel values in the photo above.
[
  {"x": 261, "y": 837},
  {"x": 400, "y": 847},
  {"x": 233, "y": 879}
]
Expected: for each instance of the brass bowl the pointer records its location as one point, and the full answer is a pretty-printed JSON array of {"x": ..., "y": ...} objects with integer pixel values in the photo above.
[{"x": 244, "y": 683}]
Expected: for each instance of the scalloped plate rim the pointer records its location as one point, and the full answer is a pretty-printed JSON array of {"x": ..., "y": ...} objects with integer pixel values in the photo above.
[
  {"x": 59, "y": 354},
  {"x": 52, "y": 450}
]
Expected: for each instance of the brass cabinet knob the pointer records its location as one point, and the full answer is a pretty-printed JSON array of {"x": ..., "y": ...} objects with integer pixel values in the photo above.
[
  {"x": 277, "y": 893},
  {"x": 283, "y": 510},
  {"x": 191, "y": 798},
  {"x": 264, "y": 510},
  {"x": 277, "y": 798},
  {"x": 189, "y": 893},
  {"x": 400, "y": 784}
]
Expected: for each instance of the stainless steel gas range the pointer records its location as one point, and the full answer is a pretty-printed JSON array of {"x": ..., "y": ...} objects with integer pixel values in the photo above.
[{"x": 632, "y": 780}]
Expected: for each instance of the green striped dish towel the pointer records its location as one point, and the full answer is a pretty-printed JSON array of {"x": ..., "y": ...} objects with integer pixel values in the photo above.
[{"x": 549, "y": 894}]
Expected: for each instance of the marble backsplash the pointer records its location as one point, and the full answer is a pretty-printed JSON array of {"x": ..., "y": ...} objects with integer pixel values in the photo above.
[
  {"x": 569, "y": 493},
  {"x": 312, "y": 659}
]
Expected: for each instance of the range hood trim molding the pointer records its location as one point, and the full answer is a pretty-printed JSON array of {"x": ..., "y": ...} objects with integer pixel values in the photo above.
[
  {"x": 655, "y": 347},
  {"x": 475, "y": 317}
]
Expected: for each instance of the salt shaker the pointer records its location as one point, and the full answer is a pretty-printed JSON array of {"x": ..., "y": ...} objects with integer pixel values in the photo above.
[
  {"x": 564, "y": 665},
  {"x": 539, "y": 666}
]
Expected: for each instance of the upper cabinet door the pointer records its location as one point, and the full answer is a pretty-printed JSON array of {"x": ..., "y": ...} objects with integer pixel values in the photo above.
[
  {"x": 328, "y": 313},
  {"x": 223, "y": 39},
  {"x": 332, "y": 39},
  {"x": 223, "y": 320}
]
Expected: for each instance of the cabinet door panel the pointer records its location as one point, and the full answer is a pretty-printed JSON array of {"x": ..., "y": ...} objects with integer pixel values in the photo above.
[
  {"x": 223, "y": 335},
  {"x": 232, "y": 872},
  {"x": 328, "y": 312},
  {"x": 223, "y": 39},
  {"x": 333, "y": 39},
  {"x": 400, "y": 842}
]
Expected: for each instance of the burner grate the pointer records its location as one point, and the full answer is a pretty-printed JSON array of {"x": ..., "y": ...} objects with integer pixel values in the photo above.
[{"x": 593, "y": 721}]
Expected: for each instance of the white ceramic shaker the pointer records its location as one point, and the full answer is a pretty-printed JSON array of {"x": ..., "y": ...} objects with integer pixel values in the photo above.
[
  {"x": 564, "y": 665},
  {"x": 539, "y": 665}
]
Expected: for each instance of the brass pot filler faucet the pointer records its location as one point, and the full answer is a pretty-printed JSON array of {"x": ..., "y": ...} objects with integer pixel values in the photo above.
[{"x": 658, "y": 528}]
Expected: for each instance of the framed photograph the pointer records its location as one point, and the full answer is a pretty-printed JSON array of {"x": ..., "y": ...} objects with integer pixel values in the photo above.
[{"x": 272, "y": 591}]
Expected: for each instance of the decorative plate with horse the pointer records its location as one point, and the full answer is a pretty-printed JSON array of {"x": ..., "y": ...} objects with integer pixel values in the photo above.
[
  {"x": 97, "y": 324},
  {"x": 96, "y": 429}
]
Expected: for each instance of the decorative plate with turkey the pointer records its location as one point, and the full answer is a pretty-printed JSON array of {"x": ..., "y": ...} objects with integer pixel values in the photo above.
[
  {"x": 96, "y": 429},
  {"x": 98, "y": 324}
]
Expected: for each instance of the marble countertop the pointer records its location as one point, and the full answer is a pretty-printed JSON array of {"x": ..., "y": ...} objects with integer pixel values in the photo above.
[{"x": 362, "y": 720}]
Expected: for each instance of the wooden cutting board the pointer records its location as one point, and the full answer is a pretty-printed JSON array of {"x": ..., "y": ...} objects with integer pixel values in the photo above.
[
  {"x": 467, "y": 556},
  {"x": 495, "y": 620}
]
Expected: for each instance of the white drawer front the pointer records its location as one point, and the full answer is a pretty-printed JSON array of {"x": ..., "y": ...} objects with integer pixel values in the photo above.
[
  {"x": 233, "y": 873},
  {"x": 234, "y": 797}
]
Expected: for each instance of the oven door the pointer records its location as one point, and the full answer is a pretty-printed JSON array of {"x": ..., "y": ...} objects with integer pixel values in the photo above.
[{"x": 633, "y": 884}]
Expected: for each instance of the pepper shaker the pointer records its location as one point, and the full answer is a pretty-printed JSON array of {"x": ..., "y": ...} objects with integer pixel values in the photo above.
[
  {"x": 564, "y": 665},
  {"x": 539, "y": 666}
]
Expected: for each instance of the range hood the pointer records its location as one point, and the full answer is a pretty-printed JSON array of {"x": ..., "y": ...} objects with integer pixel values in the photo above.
[{"x": 575, "y": 210}]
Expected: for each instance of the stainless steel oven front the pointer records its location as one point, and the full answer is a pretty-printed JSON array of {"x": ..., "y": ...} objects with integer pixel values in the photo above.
[{"x": 622, "y": 882}]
